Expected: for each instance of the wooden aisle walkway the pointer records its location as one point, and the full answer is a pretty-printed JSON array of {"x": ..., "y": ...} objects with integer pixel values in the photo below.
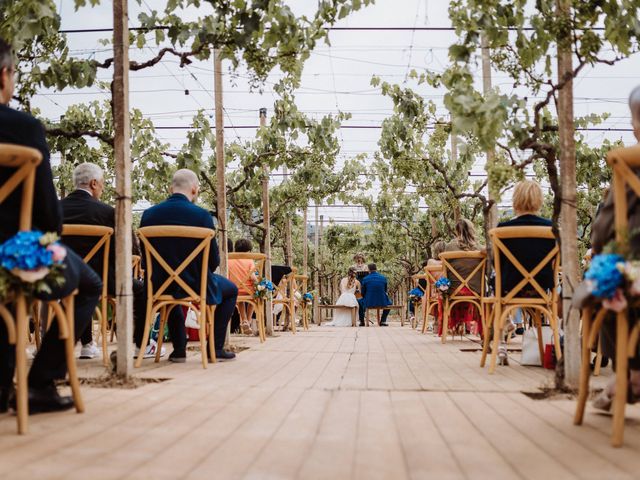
[{"x": 332, "y": 403}]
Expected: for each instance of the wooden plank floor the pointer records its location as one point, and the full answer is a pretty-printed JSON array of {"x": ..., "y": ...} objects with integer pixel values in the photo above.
[{"x": 331, "y": 403}]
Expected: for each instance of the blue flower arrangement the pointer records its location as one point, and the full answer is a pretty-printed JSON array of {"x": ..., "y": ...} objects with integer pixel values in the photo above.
[
  {"x": 264, "y": 288},
  {"x": 415, "y": 295},
  {"x": 308, "y": 298},
  {"x": 443, "y": 284},
  {"x": 605, "y": 275},
  {"x": 31, "y": 262}
]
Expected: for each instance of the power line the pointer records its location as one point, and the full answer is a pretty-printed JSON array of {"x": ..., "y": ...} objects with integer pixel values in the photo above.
[{"x": 336, "y": 29}]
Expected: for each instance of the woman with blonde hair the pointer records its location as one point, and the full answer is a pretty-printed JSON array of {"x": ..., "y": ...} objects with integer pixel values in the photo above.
[{"x": 527, "y": 200}]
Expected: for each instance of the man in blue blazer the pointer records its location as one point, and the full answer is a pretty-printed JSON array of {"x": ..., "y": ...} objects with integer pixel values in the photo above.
[
  {"x": 374, "y": 292},
  {"x": 179, "y": 209}
]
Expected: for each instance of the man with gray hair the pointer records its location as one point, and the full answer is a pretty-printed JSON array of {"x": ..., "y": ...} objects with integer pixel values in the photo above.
[
  {"x": 83, "y": 207},
  {"x": 179, "y": 209}
]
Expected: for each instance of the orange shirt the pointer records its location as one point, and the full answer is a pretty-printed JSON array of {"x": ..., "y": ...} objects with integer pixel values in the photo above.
[{"x": 240, "y": 273}]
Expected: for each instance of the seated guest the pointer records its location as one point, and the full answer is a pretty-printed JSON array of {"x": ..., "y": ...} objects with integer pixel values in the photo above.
[
  {"x": 465, "y": 240},
  {"x": 527, "y": 201},
  {"x": 436, "y": 250},
  {"x": 603, "y": 232},
  {"x": 49, "y": 363},
  {"x": 374, "y": 292},
  {"x": 242, "y": 272},
  {"x": 83, "y": 207},
  {"x": 362, "y": 270},
  {"x": 180, "y": 209}
]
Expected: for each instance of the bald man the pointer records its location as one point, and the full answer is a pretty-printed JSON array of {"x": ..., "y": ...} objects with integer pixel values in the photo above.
[{"x": 180, "y": 209}]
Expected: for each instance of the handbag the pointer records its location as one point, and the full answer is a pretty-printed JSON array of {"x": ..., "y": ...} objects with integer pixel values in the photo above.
[{"x": 530, "y": 350}]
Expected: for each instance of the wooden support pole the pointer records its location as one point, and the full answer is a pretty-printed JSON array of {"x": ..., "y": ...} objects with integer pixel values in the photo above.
[
  {"x": 288, "y": 244},
  {"x": 568, "y": 214},
  {"x": 267, "y": 229},
  {"x": 305, "y": 242},
  {"x": 221, "y": 196},
  {"x": 316, "y": 274},
  {"x": 486, "y": 88},
  {"x": 122, "y": 154}
]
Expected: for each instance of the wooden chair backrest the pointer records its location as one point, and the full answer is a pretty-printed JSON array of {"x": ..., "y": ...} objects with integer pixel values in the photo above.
[
  {"x": 498, "y": 235},
  {"x": 622, "y": 161},
  {"x": 153, "y": 258},
  {"x": 258, "y": 258},
  {"x": 448, "y": 267},
  {"x": 102, "y": 234},
  {"x": 24, "y": 160},
  {"x": 416, "y": 281},
  {"x": 287, "y": 284},
  {"x": 136, "y": 265}
]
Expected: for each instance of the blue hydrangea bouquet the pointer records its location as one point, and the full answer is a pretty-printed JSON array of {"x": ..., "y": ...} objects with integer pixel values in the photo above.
[
  {"x": 415, "y": 295},
  {"x": 264, "y": 289},
  {"x": 442, "y": 285},
  {"x": 307, "y": 298},
  {"x": 31, "y": 262},
  {"x": 613, "y": 279}
]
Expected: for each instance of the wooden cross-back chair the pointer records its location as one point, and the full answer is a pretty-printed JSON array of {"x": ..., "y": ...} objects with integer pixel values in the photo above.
[
  {"x": 301, "y": 283},
  {"x": 454, "y": 296},
  {"x": 622, "y": 161},
  {"x": 258, "y": 304},
  {"x": 287, "y": 288},
  {"x": 160, "y": 301},
  {"x": 25, "y": 160},
  {"x": 101, "y": 247},
  {"x": 430, "y": 299},
  {"x": 415, "y": 283},
  {"x": 537, "y": 301}
]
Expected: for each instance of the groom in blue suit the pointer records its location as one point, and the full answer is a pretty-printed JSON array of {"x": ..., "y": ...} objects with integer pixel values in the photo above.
[{"x": 374, "y": 292}]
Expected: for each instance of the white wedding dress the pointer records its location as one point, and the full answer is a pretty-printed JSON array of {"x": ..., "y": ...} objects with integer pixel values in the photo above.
[{"x": 342, "y": 316}]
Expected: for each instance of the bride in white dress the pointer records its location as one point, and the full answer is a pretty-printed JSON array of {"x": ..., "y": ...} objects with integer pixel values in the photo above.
[{"x": 348, "y": 288}]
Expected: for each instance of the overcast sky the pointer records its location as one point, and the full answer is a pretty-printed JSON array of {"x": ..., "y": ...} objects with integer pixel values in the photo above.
[{"x": 335, "y": 78}]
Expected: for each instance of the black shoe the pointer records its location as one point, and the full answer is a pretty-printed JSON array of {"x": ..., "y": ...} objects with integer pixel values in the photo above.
[
  {"x": 46, "y": 399},
  {"x": 178, "y": 357},
  {"x": 384, "y": 324},
  {"x": 520, "y": 331},
  {"x": 361, "y": 324},
  {"x": 224, "y": 355},
  {"x": 6, "y": 394}
]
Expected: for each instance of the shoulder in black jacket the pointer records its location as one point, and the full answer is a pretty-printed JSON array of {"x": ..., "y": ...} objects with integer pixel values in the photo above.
[{"x": 20, "y": 128}]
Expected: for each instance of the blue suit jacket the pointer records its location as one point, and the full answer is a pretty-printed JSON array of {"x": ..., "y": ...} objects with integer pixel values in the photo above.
[
  {"x": 374, "y": 290},
  {"x": 178, "y": 210}
]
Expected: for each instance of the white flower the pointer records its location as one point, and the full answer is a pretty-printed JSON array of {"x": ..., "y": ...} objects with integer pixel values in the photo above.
[{"x": 261, "y": 287}]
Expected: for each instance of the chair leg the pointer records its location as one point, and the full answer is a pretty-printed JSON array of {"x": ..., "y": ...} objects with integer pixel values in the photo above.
[
  {"x": 22, "y": 392},
  {"x": 292, "y": 318},
  {"x": 538, "y": 322},
  {"x": 486, "y": 322},
  {"x": 103, "y": 331},
  {"x": 211, "y": 312},
  {"x": 445, "y": 321},
  {"x": 164, "y": 313},
  {"x": 583, "y": 391},
  {"x": 202, "y": 317},
  {"x": 70, "y": 341},
  {"x": 620, "y": 399},
  {"x": 598, "y": 362},
  {"x": 497, "y": 328}
]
